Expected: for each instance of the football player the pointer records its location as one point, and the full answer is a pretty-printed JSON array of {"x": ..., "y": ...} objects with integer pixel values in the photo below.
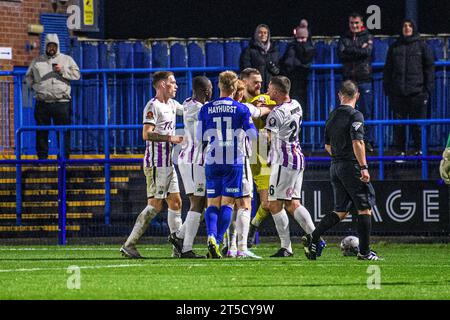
[
  {"x": 161, "y": 177},
  {"x": 191, "y": 168}
]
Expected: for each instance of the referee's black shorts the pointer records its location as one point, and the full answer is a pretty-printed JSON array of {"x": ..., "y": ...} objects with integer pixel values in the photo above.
[{"x": 348, "y": 189}]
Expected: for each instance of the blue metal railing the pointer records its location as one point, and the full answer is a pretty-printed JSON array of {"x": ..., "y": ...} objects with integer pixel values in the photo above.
[
  {"x": 62, "y": 162},
  {"x": 121, "y": 98},
  {"x": 107, "y": 128}
]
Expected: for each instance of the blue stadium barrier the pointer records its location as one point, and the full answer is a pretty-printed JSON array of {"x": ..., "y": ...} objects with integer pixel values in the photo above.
[
  {"x": 282, "y": 46},
  {"x": 196, "y": 54},
  {"x": 107, "y": 128},
  {"x": 160, "y": 54},
  {"x": 128, "y": 98},
  {"x": 232, "y": 52},
  {"x": 178, "y": 59}
]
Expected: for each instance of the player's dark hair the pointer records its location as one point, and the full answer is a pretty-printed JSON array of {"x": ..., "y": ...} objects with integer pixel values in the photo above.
[
  {"x": 160, "y": 76},
  {"x": 282, "y": 83},
  {"x": 356, "y": 15},
  {"x": 349, "y": 89},
  {"x": 200, "y": 84},
  {"x": 247, "y": 72}
]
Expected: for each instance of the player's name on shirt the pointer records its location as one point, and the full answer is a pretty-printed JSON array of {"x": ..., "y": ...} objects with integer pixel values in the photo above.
[{"x": 222, "y": 106}]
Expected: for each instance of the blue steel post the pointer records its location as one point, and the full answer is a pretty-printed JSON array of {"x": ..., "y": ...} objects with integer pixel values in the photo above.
[
  {"x": 332, "y": 86},
  {"x": 189, "y": 82},
  {"x": 380, "y": 151},
  {"x": 423, "y": 127},
  {"x": 18, "y": 155},
  {"x": 62, "y": 205},
  {"x": 18, "y": 180},
  {"x": 107, "y": 155}
]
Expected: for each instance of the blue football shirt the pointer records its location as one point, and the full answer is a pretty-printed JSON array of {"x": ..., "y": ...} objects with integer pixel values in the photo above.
[{"x": 224, "y": 125}]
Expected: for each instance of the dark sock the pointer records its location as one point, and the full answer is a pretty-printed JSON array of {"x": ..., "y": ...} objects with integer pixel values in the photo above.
[
  {"x": 326, "y": 223},
  {"x": 364, "y": 227}
]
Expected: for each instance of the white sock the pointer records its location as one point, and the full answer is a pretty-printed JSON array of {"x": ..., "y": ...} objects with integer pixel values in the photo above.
[
  {"x": 242, "y": 228},
  {"x": 232, "y": 234},
  {"x": 302, "y": 216},
  {"x": 191, "y": 226},
  {"x": 141, "y": 225},
  {"x": 181, "y": 233},
  {"x": 281, "y": 220},
  {"x": 174, "y": 220}
]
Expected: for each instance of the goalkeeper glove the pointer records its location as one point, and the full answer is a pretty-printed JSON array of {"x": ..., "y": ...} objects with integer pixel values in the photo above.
[{"x": 444, "y": 168}]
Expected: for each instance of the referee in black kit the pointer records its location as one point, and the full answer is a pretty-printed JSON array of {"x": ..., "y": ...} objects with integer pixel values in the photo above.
[{"x": 349, "y": 173}]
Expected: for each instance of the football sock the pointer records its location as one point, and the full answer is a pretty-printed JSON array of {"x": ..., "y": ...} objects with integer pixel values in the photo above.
[
  {"x": 181, "y": 233},
  {"x": 174, "y": 220},
  {"x": 326, "y": 223},
  {"x": 302, "y": 216},
  {"x": 364, "y": 227},
  {"x": 191, "y": 226},
  {"x": 281, "y": 220},
  {"x": 224, "y": 220},
  {"x": 232, "y": 234},
  {"x": 211, "y": 218},
  {"x": 141, "y": 225},
  {"x": 260, "y": 216},
  {"x": 242, "y": 228}
]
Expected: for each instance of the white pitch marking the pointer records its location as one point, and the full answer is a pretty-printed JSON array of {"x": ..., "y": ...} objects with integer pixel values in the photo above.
[{"x": 85, "y": 267}]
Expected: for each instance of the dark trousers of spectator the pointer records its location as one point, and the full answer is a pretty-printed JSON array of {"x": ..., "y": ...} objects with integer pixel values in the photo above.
[
  {"x": 365, "y": 106},
  {"x": 44, "y": 113},
  {"x": 409, "y": 107}
]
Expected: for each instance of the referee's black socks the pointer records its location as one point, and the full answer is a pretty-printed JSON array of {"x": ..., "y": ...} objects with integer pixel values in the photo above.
[
  {"x": 325, "y": 224},
  {"x": 364, "y": 227}
]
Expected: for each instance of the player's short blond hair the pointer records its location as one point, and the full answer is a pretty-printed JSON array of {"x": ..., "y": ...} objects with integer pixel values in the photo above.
[{"x": 228, "y": 81}]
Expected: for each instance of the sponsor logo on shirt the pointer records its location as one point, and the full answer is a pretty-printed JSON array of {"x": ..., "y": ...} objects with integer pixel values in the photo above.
[
  {"x": 272, "y": 122},
  {"x": 356, "y": 125}
]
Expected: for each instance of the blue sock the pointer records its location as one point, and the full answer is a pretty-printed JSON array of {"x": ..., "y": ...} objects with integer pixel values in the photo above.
[
  {"x": 211, "y": 217},
  {"x": 226, "y": 213}
]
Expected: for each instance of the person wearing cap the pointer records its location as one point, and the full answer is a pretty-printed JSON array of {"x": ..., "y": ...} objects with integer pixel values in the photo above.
[
  {"x": 262, "y": 54},
  {"x": 296, "y": 63},
  {"x": 49, "y": 76}
]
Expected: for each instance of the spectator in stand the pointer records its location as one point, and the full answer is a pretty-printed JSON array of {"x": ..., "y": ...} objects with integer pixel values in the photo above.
[
  {"x": 408, "y": 81},
  {"x": 49, "y": 76},
  {"x": 355, "y": 53},
  {"x": 296, "y": 62},
  {"x": 261, "y": 54}
]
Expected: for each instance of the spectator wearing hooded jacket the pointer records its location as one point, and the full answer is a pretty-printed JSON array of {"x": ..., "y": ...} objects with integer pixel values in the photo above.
[
  {"x": 261, "y": 54},
  {"x": 296, "y": 63},
  {"x": 355, "y": 53},
  {"x": 408, "y": 81},
  {"x": 49, "y": 76}
]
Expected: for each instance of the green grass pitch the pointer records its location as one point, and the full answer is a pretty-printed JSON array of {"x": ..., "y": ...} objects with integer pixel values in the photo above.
[{"x": 408, "y": 272}]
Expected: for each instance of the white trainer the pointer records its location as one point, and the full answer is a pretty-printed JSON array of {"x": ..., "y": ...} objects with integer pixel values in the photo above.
[{"x": 247, "y": 254}]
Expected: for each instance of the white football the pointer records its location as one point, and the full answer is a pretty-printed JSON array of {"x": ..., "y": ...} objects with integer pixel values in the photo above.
[{"x": 350, "y": 246}]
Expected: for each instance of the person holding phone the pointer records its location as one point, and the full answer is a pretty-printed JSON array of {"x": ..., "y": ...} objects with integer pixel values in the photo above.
[{"x": 49, "y": 76}]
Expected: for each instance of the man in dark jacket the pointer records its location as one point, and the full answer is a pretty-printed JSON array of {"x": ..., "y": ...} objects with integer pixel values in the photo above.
[
  {"x": 355, "y": 53},
  {"x": 296, "y": 63},
  {"x": 409, "y": 81},
  {"x": 261, "y": 54}
]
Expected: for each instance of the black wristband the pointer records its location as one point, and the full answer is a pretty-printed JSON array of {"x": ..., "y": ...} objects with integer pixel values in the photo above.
[{"x": 364, "y": 167}]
